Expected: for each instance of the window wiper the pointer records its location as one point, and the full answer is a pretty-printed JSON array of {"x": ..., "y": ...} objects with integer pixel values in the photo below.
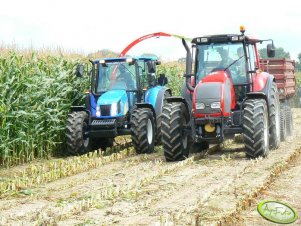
[{"x": 234, "y": 62}]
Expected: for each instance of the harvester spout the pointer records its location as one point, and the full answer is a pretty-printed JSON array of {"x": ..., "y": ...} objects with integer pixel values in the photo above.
[{"x": 188, "y": 66}]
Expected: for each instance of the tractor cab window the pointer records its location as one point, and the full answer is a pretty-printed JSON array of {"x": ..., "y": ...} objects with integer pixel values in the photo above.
[
  {"x": 221, "y": 56},
  {"x": 116, "y": 76},
  {"x": 147, "y": 78},
  {"x": 252, "y": 58}
]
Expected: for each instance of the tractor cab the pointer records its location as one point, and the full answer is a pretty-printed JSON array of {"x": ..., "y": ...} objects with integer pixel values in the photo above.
[
  {"x": 119, "y": 83},
  {"x": 235, "y": 55}
]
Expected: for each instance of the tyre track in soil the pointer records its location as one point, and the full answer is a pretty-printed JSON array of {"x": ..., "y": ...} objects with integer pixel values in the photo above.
[
  {"x": 278, "y": 190},
  {"x": 120, "y": 144},
  {"x": 63, "y": 187},
  {"x": 186, "y": 193},
  {"x": 30, "y": 210},
  {"x": 195, "y": 193}
]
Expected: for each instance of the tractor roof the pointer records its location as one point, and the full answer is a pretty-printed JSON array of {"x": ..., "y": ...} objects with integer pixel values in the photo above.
[
  {"x": 126, "y": 59},
  {"x": 225, "y": 38}
]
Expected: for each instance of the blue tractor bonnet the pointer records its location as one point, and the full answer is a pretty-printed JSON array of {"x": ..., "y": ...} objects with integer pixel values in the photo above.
[{"x": 117, "y": 97}]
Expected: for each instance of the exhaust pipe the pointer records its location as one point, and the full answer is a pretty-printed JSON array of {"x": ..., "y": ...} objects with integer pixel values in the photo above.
[{"x": 188, "y": 66}]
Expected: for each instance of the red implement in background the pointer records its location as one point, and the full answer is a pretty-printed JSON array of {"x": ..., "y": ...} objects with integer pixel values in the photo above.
[{"x": 284, "y": 73}]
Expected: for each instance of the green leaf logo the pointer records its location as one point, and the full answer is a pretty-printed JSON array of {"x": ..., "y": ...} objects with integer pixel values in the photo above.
[{"x": 277, "y": 212}]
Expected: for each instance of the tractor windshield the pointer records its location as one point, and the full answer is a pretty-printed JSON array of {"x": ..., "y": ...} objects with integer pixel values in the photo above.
[
  {"x": 222, "y": 56},
  {"x": 116, "y": 75}
]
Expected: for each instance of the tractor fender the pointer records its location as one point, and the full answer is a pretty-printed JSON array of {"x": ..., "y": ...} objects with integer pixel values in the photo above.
[
  {"x": 263, "y": 84},
  {"x": 155, "y": 97}
]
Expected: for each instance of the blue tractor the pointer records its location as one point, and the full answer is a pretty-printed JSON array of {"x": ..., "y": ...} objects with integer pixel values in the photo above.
[{"x": 125, "y": 98}]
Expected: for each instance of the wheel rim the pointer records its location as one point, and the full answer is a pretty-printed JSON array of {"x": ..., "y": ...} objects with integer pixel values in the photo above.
[
  {"x": 149, "y": 131},
  {"x": 184, "y": 136},
  {"x": 86, "y": 138}
]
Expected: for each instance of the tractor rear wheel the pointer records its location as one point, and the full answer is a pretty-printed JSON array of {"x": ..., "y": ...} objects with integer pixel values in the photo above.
[
  {"x": 274, "y": 116},
  {"x": 77, "y": 140},
  {"x": 289, "y": 121},
  {"x": 282, "y": 124},
  {"x": 143, "y": 130},
  {"x": 159, "y": 120},
  {"x": 174, "y": 139},
  {"x": 255, "y": 128}
]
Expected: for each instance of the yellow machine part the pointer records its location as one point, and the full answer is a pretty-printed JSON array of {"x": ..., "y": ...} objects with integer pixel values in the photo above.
[{"x": 209, "y": 127}]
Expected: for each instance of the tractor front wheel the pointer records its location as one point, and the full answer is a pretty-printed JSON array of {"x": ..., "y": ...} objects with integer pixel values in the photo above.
[
  {"x": 174, "y": 139},
  {"x": 143, "y": 130},
  {"x": 256, "y": 128},
  {"x": 77, "y": 139},
  {"x": 159, "y": 120}
]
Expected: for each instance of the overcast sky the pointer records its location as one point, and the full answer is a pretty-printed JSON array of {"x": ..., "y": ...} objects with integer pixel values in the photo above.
[{"x": 91, "y": 25}]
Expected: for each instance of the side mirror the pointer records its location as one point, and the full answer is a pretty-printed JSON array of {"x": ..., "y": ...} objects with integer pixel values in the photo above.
[
  {"x": 79, "y": 71},
  {"x": 152, "y": 79},
  {"x": 271, "y": 50},
  {"x": 151, "y": 67},
  {"x": 162, "y": 80},
  {"x": 158, "y": 62}
]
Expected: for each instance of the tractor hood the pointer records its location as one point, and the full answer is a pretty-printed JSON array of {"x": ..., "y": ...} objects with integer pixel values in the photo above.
[
  {"x": 214, "y": 95},
  {"x": 110, "y": 97},
  {"x": 113, "y": 103}
]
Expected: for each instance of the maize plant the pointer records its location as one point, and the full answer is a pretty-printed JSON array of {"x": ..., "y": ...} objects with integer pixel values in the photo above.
[
  {"x": 174, "y": 73},
  {"x": 36, "y": 95}
]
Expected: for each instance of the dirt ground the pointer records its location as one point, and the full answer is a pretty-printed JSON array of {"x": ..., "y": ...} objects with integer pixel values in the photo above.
[{"x": 220, "y": 187}]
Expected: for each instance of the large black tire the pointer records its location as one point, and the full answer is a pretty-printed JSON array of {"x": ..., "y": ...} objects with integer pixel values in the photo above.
[
  {"x": 76, "y": 139},
  {"x": 175, "y": 141},
  {"x": 274, "y": 116},
  {"x": 289, "y": 121},
  {"x": 255, "y": 128},
  {"x": 159, "y": 120},
  {"x": 143, "y": 130},
  {"x": 282, "y": 124}
]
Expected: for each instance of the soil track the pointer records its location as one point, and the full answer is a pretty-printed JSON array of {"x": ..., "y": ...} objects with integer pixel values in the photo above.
[{"x": 217, "y": 187}]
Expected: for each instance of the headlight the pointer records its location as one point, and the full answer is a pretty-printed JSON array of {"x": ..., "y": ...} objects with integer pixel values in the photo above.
[
  {"x": 114, "y": 109},
  {"x": 200, "y": 106},
  {"x": 98, "y": 111},
  {"x": 216, "y": 105}
]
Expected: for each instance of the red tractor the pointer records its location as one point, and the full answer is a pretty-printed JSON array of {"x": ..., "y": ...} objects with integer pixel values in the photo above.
[{"x": 225, "y": 93}]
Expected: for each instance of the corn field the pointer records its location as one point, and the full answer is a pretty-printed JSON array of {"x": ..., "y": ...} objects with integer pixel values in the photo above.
[
  {"x": 174, "y": 73},
  {"x": 36, "y": 95}
]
